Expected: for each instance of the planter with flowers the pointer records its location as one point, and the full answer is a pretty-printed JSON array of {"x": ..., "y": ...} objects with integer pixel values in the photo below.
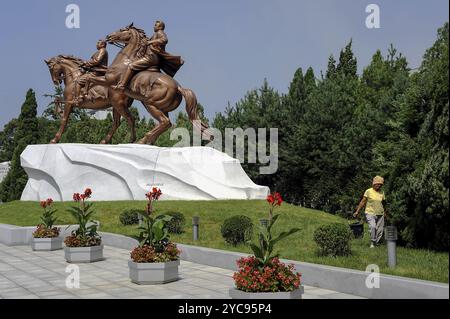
[
  {"x": 46, "y": 236},
  {"x": 84, "y": 245},
  {"x": 263, "y": 275},
  {"x": 156, "y": 259}
]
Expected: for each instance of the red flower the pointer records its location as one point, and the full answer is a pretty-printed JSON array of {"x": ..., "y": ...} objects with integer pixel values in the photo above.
[
  {"x": 43, "y": 204},
  {"x": 274, "y": 199},
  {"x": 278, "y": 198},
  {"x": 49, "y": 201},
  {"x": 154, "y": 194},
  {"x": 76, "y": 197},
  {"x": 87, "y": 192},
  {"x": 270, "y": 199}
]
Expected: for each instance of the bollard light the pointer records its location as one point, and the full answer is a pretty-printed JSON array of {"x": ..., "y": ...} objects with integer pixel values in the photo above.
[
  {"x": 195, "y": 223},
  {"x": 390, "y": 234}
]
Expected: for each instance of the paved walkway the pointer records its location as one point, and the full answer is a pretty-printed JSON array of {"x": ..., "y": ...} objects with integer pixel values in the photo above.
[{"x": 28, "y": 274}]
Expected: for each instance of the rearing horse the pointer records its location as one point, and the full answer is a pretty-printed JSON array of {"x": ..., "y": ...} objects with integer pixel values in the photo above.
[
  {"x": 158, "y": 92},
  {"x": 67, "y": 69}
]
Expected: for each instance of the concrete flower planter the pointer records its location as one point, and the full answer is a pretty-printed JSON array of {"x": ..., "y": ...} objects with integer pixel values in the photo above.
[
  {"x": 239, "y": 294},
  {"x": 153, "y": 273},
  {"x": 46, "y": 244},
  {"x": 83, "y": 254}
]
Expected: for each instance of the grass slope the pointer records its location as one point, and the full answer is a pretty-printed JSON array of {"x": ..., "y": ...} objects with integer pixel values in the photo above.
[{"x": 416, "y": 263}]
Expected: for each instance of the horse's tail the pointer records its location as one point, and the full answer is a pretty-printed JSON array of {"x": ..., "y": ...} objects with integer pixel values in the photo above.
[{"x": 191, "y": 109}]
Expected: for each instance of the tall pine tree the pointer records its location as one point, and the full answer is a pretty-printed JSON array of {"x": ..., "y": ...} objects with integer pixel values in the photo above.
[{"x": 27, "y": 133}]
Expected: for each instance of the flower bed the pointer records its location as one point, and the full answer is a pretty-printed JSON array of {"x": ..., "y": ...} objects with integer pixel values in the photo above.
[
  {"x": 274, "y": 277},
  {"x": 148, "y": 254}
]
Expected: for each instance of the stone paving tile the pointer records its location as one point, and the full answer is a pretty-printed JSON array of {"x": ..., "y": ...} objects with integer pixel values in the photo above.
[
  {"x": 28, "y": 274},
  {"x": 318, "y": 291},
  {"x": 339, "y": 295}
]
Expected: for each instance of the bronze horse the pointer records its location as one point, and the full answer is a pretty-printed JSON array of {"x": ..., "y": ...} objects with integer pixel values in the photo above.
[
  {"x": 67, "y": 69},
  {"x": 158, "y": 92}
]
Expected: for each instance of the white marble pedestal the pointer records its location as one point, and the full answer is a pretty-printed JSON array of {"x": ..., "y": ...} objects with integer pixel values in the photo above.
[{"x": 128, "y": 171}]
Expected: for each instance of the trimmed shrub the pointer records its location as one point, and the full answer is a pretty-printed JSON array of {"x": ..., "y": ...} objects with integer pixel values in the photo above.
[
  {"x": 333, "y": 239},
  {"x": 130, "y": 216},
  {"x": 175, "y": 226},
  {"x": 237, "y": 229}
]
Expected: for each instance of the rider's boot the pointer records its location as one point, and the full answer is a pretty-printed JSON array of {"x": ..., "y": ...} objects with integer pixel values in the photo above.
[{"x": 124, "y": 81}]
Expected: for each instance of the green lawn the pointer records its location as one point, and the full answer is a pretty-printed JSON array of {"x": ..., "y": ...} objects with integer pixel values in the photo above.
[{"x": 416, "y": 263}]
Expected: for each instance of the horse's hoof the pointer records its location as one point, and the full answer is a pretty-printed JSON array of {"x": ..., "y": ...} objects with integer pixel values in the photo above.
[
  {"x": 142, "y": 141},
  {"x": 102, "y": 142},
  {"x": 54, "y": 141}
]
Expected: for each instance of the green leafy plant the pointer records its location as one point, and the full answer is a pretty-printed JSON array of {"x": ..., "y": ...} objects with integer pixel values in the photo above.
[
  {"x": 130, "y": 216},
  {"x": 46, "y": 229},
  {"x": 237, "y": 229},
  {"x": 333, "y": 239},
  {"x": 264, "y": 249},
  {"x": 85, "y": 235},
  {"x": 264, "y": 272},
  {"x": 154, "y": 244},
  {"x": 176, "y": 224}
]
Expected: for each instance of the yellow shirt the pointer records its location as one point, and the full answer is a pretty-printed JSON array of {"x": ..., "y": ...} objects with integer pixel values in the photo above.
[{"x": 374, "y": 204}]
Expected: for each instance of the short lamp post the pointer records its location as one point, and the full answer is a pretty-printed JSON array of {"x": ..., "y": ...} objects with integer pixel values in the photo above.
[
  {"x": 195, "y": 224},
  {"x": 391, "y": 240}
]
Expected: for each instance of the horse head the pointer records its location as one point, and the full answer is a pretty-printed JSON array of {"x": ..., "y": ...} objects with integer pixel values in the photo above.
[
  {"x": 128, "y": 36},
  {"x": 56, "y": 70},
  {"x": 59, "y": 65},
  {"x": 121, "y": 36}
]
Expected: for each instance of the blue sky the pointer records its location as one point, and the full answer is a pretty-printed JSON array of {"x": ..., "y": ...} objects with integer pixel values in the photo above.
[{"x": 229, "y": 46}]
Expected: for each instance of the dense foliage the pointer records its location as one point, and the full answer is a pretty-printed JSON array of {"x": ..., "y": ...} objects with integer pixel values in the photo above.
[
  {"x": 336, "y": 131},
  {"x": 130, "y": 216},
  {"x": 237, "y": 229},
  {"x": 18, "y": 134},
  {"x": 176, "y": 224},
  {"x": 333, "y": 239}
]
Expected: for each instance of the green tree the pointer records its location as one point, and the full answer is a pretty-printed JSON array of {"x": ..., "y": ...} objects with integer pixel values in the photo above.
[
  {"x": 416, "y": 158},
  {"x": 27, "y": 133},
  {"x": 7, "y": 144}
]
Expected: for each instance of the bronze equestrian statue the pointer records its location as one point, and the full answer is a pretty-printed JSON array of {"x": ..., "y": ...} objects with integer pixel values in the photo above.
[
  {"x": 158, "y": 91},
  {"x": 154, "y": 57},
  {"x": 69, "y": 69}
]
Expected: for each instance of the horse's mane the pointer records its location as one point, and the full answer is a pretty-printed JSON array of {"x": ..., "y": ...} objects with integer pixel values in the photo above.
[
  {"x": 141, "y": 31},
  {"x": 142, "y": 40},
  {"x": 76, "y": 60}
]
